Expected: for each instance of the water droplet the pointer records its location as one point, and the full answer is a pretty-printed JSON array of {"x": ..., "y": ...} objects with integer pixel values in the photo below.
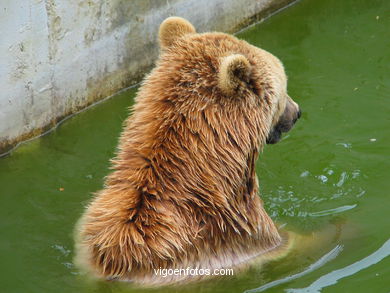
[
  {"x": 355, "y": 174},
  {"x": 344, "y": 144},
  {"x": 343, "y": 178},
  {"x": 305, "y": 174},
  {"x": 61, "y": 249},
  {"x": 323, "y": 178},
  {"x": 360, "y": 194},
  {"x": 68, "y": 265}
]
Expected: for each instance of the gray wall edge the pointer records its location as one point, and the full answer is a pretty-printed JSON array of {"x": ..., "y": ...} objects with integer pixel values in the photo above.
[{"x": 58, "y": 57}]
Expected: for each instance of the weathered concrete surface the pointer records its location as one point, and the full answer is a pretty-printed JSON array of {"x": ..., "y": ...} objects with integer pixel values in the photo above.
[{"x": 58, "y": 56}]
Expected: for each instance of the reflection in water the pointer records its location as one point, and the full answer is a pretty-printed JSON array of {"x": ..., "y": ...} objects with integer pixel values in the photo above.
[
  {"x": 319, "y": 263},
  {"x": 332, "y": 211},
  {"x": 333, "y": 277}
]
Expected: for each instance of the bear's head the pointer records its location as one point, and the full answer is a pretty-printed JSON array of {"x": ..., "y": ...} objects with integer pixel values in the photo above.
[{"x": 217, "y": 68}]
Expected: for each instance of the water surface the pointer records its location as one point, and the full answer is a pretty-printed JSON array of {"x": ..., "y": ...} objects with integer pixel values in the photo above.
[{"x": 331, "y": 171}]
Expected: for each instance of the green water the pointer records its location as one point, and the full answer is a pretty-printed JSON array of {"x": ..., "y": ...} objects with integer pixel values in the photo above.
[{"x": 331, "y": 170}]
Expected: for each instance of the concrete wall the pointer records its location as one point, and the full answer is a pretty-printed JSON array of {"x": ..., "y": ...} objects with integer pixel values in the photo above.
[{"x": 59, "y": 56}]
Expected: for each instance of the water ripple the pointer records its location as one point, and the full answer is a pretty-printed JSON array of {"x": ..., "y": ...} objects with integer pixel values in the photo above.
[
  {"x": 332, "y": 211},
  {"x": 319, "y": 263},
  {"x": 333, "y": 277},
  {"x": 337, "y": 184}
]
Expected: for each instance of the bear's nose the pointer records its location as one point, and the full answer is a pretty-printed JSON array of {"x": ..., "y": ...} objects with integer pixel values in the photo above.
[{"x": 299, "y": 113}]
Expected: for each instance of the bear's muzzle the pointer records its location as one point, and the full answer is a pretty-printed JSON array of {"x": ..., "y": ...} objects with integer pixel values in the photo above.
[{"x": 291, "y": 114}]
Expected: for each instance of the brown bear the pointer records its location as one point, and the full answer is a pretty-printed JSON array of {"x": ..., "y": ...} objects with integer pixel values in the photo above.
[{"x": 183, "y": 191}]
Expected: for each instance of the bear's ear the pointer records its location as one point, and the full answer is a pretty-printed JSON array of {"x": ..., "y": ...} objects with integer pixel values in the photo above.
[
  {"x": 172, "y": 29},
  {"x": 233, "y": 71}
]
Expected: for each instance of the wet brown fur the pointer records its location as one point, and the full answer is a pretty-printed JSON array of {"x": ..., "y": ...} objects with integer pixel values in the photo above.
[{"x": 183, "y": 190}]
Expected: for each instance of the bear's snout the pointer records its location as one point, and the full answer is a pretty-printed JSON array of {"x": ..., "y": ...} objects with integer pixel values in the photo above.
[
  {"x": 299, "y": 113},
  {"x": 286, "y": 121}
]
